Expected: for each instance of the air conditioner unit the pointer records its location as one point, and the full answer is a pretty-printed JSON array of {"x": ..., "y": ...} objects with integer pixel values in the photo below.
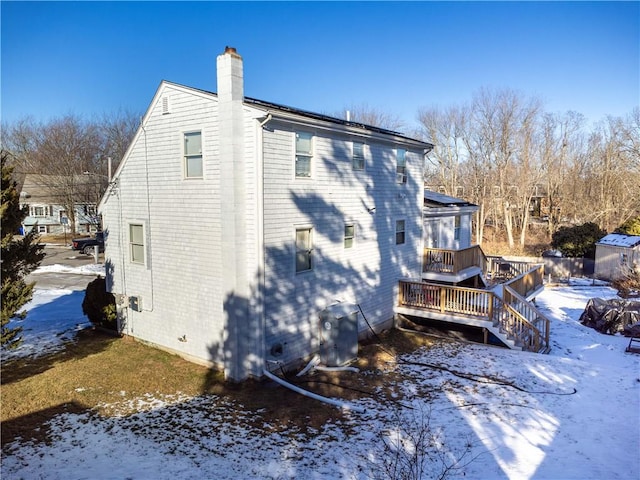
[
  {"x": 339, "y": 334},
  {"x": 401, "y": 178}
]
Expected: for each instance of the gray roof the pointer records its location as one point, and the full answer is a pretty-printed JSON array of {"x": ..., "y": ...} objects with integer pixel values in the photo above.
[
  {"x": 436, "y": 199},
  {"x": 316, "y": 116},
  {"x": 620, "y": 240}
]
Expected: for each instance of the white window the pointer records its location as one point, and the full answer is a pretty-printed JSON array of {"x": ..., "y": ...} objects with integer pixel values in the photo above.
[
  {"x": 42, "y": 229},
  {"x": 401, "y": 166},
  {"x": 399, "y": 232},
  {"x": 304, "y": 249},
  {"x": 136, "y": 243},
  {"x": 304, "y": 153},
  {"x": 357, "y": 159},
  {"x": 193, "y": 155},
  {"x": 89, "y": 210},
  {"x": 349, "y": 235},
  {"x": 456, "y": 228},
  {"x": 39, "y": 211}
]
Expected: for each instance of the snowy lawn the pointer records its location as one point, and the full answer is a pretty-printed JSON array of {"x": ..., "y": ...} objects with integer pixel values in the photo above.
[{"x": 572, "y": 414}]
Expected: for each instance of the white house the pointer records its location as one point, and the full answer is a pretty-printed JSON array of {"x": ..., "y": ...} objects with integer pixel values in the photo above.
[
  {"x": 233, "y": 225},
  {"x": 617, "y": 254}
]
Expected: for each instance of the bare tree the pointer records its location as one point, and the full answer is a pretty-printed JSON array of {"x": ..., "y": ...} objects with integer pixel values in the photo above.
[
  {"x": 63, "y": 150},
  {"x": 117, "y": 131},
  {"x": 446, "y": 130}
]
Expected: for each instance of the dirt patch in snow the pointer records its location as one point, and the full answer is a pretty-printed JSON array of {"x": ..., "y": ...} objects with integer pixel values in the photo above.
[{"x": 106, "y": 376}]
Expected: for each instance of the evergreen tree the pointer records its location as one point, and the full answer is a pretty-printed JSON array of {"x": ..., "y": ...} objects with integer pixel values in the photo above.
[
  {"x": 630, "y": 227},
  {"x": 20, "y": 256}
]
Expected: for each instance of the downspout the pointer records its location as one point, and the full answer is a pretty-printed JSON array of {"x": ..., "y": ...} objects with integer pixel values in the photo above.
[{"x": 260, "y": 236}]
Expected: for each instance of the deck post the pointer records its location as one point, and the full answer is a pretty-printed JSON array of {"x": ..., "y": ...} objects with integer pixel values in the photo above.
[
  {"x": 443, "y": 299},
  {"x": 490, "y": 309}
]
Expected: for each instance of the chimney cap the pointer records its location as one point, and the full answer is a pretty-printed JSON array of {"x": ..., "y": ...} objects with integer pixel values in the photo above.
[{"x": 231, "y": 51}]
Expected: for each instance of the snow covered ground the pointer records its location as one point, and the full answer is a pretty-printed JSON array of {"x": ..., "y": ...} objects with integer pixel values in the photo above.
[{"x": 572, "y": 414}]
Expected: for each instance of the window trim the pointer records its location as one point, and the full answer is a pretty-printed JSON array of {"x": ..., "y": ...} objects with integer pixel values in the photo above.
[
  {"x": 308, "y": 250},
  {"x": 131, "y": 243},
  {"x": 402, "y": 232},
  {"x": 185, "y": 157},
  {"x": 308, "y": 155},
  {"x": 351, "y": 239},
  {"x": 360, "y": 158}
]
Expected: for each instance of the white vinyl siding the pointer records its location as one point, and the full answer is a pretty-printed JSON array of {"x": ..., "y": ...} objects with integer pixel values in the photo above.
[
  {"x": 193, "y": 155},
  {"x": 304, "y": 154}
]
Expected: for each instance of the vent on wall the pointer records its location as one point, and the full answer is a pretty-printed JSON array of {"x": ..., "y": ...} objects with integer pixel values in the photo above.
[
  {"x": 135, "y": 304},
  {"x": 165, "y": 105}
]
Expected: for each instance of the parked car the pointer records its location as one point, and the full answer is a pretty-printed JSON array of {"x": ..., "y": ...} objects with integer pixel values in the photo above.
[
  {"x": 86, "y": 245},
  {"x": 552, "y": 253}
]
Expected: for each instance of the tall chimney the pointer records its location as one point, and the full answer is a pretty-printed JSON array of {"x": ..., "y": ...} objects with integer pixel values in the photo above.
[{"x": 240, "y": 340}]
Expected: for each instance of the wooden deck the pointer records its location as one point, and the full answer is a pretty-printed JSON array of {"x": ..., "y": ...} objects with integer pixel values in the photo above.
[{"x": 511, "y": 316}]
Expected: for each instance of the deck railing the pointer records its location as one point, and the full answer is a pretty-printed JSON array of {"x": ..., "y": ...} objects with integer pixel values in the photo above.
[
  {"x": 500, "y": 269},
  {"x": 517, "y": 318},
  {"x": 528, "y": 282},
  {"x": 441, "y": 260},
  {"x": 530, "y": 313},
  {"x": 446, "y": 299}
]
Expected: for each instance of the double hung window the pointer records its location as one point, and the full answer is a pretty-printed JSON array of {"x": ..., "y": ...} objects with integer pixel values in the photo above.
[
  {"x": 401, "y": 165},
  {"x": 136, "y": 243},
  {"x": 304, "y": 249},
  {"x": 456, "y": 228},
  {"x": 193, "y": 155},
  {"x": 304, "y": 154},
  {"x": 400, "y": 237},
  {"x": 357, "y": 159},
  {"x": 349, "y": 235}
]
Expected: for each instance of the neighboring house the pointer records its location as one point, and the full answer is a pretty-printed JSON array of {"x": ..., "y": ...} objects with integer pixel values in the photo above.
[
  {"x": 233, "y": 225},
  {"x": 44, "y": 193},
  {"x": 616, "y": 255}
]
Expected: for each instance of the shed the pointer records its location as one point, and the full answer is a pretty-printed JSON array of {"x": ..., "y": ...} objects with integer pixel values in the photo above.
[{"x": 616, "y": 255}]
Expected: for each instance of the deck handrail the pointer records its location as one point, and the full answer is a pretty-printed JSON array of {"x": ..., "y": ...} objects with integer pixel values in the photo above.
[
  {"x": 443, "y": 260},
  {"x": 529, "y": 312},
  {"x": 445, "y": 298},
  {"x": 528, "y": 282},
  {"x": 520, "y": 321}
]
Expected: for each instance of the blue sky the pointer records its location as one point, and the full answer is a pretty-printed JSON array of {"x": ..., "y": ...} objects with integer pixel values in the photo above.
[{"x": 90, "y": 58}]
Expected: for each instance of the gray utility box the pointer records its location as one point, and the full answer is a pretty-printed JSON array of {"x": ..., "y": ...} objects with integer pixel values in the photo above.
[{"x": 339, "y": 334}]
